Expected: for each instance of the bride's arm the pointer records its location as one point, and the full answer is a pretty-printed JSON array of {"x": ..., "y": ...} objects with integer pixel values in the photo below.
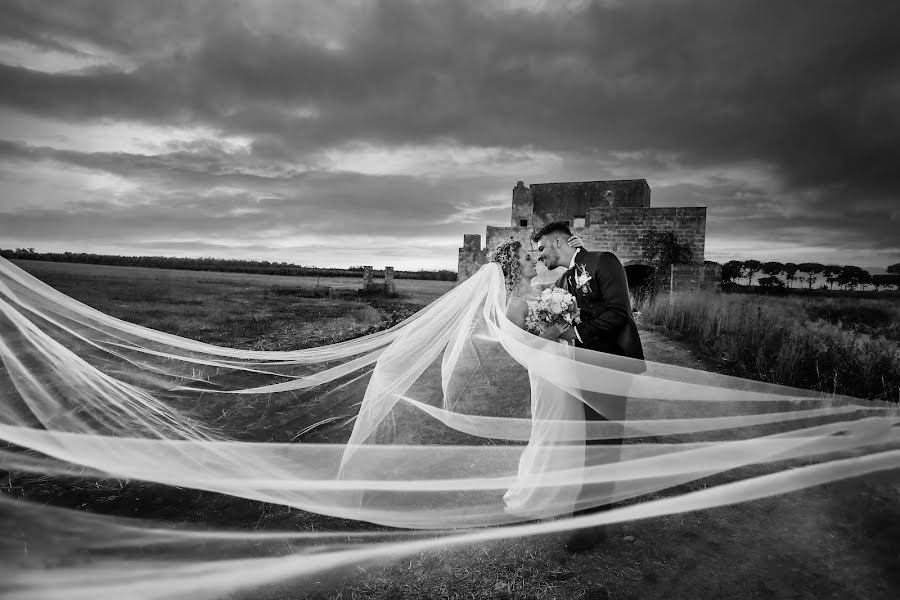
[{"x": 516, "y": 311}]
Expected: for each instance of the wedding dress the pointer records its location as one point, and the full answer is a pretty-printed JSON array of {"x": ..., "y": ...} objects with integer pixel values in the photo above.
[{"x": 549, "y": 450}]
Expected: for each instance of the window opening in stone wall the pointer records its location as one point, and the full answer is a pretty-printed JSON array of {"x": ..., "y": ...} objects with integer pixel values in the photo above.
[{"x": 523, "y": 222}]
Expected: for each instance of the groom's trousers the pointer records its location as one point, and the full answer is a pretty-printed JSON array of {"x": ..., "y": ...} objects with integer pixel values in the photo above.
[
  {"x": 600, "y": 496},
  {"x": 608, "y": 450}
]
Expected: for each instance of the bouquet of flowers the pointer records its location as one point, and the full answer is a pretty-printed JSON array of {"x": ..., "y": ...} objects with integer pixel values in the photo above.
[{"x": 555, "y": 305}]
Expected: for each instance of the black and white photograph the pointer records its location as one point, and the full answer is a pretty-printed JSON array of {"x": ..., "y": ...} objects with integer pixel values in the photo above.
[{"x": 449, "y": 299}]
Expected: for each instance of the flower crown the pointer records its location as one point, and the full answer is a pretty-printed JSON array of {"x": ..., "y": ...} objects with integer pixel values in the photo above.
[{"x": 507, "y": 256}]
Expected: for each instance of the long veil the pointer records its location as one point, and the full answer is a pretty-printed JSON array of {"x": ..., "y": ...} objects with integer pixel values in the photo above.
[{"x": 419, "y": 431}]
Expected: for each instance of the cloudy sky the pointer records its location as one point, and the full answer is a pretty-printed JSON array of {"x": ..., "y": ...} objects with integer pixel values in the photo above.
[{"x": 343, "y": 133}]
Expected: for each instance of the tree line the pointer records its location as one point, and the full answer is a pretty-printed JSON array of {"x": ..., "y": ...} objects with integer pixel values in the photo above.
[
  {"x": 216, "y": 264},
  {"x": 776, "y": 274},
  {"x": 661, "y": 249}
]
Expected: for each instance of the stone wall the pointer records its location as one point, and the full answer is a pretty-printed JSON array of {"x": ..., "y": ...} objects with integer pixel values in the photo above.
[
  {"x": 616, "y": 230},
  {"x": 712, "y": 277},
  {"x": 522, "y": 206},
  {"x": 608, "y": 215},
  {"x": 498, "y": 235},
  {"x": 370, "y": 285},
  {"x": 389, "y": 286},
  {"x": 686, "y": 278},
  {"x": 471, "y": 257},
  {"x": 619, "y": 230},
  {"x": 572, "y": 201}
]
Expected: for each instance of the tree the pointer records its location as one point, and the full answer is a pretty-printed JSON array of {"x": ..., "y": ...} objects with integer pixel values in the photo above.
[
  {"x": 811, "y": 270},
  {"x": 773, "y": 269},
  {"x": 865, "y": 278},
  {"x": 851, "y": 277},
  {"x": 661, "y": 249},
  {"x": 831, "y": 273},
  {"x": 790, "y": 272},
  {"x": 751, "y": 267},
  {"x": 894, "y": 269},
  {"x": 733, "y": 269},
  {"x": 886, "y": 281},
  {"x": 771, "y": 282}
]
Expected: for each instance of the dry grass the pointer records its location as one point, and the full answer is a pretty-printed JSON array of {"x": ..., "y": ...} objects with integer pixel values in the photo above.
[
  {"x": 232, "y": 309},
  {"x": 837, "y": 346}
]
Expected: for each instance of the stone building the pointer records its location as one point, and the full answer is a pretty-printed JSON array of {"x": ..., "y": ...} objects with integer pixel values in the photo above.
[{"x": 608, "y": 215}]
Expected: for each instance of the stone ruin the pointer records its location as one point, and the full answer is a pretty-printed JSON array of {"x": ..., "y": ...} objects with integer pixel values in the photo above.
[
  {"x": 609, "y": 216},
  {"x": 389, "y": 286},
  {"x": 386, "y": 287}
]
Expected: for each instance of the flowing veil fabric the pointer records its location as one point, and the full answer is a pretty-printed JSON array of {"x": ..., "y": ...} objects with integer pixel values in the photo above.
[
  {"x": 440, "y": 411},
  {"x": 556, "y": 417}
]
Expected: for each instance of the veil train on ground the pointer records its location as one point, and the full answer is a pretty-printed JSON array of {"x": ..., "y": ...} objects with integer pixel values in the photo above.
[{"x": 434, "y": 416}]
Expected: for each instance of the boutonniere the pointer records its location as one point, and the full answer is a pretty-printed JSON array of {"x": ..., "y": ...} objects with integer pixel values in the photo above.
[{"x": 582, "y": 279}]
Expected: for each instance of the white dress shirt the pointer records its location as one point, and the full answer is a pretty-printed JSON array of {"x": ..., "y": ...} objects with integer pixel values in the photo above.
[{"x": 572, "y": 262}]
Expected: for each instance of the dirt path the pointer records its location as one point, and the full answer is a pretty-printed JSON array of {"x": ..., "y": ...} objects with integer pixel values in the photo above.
[{"x": 659, "y": 348}]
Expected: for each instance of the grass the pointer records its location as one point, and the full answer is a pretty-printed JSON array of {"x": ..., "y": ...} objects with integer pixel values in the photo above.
[
  {"x": 236, "y": 310},
  {"x": 875, "y": 318},
  {"x": 841, "y": 540},
  {"x": 837, "y": 346}
]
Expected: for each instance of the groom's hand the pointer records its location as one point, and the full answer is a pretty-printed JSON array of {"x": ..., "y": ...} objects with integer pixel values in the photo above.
[
  {"x": 568, "y": 333},
  {"x": 562, "y": 331},
  {"x": 559, "y": 331}
]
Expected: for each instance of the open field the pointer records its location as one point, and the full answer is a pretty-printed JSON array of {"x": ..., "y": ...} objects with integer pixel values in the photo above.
[
  {"x": 232, "y": 309},
  {"x": 837, "y": 345},
  {"x": 840, "y": 540}
]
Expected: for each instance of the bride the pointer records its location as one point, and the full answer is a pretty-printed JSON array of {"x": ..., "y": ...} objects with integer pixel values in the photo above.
[{"x": 553, "y": 410}]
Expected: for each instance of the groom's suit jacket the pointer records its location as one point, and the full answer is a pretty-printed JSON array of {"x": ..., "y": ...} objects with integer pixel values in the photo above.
[{"x": 606, "y": 321}]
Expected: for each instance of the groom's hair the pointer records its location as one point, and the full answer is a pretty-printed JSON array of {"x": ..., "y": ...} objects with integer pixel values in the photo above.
[{"x": 556, "y": 227}]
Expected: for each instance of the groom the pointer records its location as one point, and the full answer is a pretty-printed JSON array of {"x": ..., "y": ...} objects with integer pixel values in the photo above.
[{"x": 598, "y": 282}]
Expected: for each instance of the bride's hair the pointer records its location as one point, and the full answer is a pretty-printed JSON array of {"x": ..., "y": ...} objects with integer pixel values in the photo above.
[{"x": 507, "y": 256}]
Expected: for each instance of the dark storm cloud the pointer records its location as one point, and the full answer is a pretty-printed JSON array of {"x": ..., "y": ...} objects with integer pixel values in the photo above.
[
  {"x": 702, "y": 78},
  {"x": 809, "y": 89},
  {"x": 203, "y": 165},
  {"x": 209, "y": 192}
]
